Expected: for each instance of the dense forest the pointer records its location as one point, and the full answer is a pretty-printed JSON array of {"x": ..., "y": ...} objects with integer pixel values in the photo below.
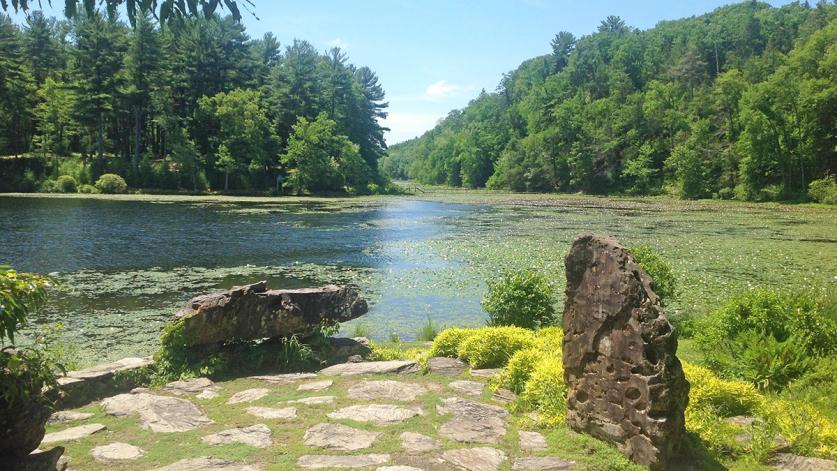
[
  {"x": 196, "y": 104},
  {"x": 738, "y": 103}
]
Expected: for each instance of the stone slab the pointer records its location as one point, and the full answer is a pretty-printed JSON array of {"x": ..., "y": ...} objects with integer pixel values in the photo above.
[
  {"x": 341, "y": 462},
  {"x": 372, "y": 367},
  {"x": 73, "y": 433}
]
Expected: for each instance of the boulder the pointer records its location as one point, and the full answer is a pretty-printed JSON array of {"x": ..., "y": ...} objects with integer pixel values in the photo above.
[
  {"x": 624, "y": 382},
  {"x": 90, "y": 384},
  {"x": 37, "y": 461},
  {"x": 253, "y": 312}
]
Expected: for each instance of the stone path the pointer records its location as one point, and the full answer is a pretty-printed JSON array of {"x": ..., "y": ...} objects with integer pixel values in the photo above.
[{"x": 351, "y": 428}]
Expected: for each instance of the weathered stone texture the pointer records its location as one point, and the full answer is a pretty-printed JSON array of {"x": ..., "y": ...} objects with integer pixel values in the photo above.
[{"x": 624, "y": 382}]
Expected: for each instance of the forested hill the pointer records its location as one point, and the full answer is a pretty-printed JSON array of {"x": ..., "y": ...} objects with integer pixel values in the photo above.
[
  {"x": 196, "y": 105},
  {"x": 740, "y": 102}
]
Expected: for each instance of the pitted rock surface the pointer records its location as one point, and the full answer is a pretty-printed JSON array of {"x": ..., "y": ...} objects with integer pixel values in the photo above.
[
  {"x": 208, "y": 464},
  {"x": 475, "y": 459},
  {"x": 379, "y": 414},
  {"x": 258, "y": 436},
  {"x": 285, "y": 413},
  {"x": 472, "y": 422},
  {"x": 392, "y": 390},
  {"x": 345, "y": 462},
  {"x": 116, "y": 452},
  {"x": 624, "y": 383},
  {"x": 158, "y": 413},
  {"x": 248, "y": 395},
  {"x": 339, "y": 437},
  {"x": 417, "y": 443}
]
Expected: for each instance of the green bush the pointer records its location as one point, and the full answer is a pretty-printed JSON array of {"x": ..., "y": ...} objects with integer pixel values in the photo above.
[
  {"x": 491, "y": 347},
  {"x": 88, "y": 189},
  {"x": 768, "y": 337},
  {"x": 66, "y": 184},
  {"x": 447, "y": 342},
  {"x": 522, "y": 299},
  {"x": 663, "y": 281},
  {"x": 111, "y": 183},
  {"x": 46, "y": 186},
  {"x": 824, "y": 190}
]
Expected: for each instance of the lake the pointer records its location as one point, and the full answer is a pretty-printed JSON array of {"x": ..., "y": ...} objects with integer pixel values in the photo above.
[{"x": 125, "y": 264}]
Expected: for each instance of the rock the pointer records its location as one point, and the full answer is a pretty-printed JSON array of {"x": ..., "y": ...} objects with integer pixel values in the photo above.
[
  {"x": 87, "y": 385},
  {"x": 791, "y": 462},
  {"x": 375, "y": 413},
  {"x": 372, "y": 367},
  {"x": 253, "y": 312},
  {"x": 163, "y": 414},
  {"x": 116, "y": 452},
  {"x": 417, "y": 443},
  {"x": 248, "y": 395},
  {"x": 339, "y": 437},
  {"x": 73, "y": 433},
  {"x": 258, "y": 436},
  {"x": 315, "y": 400},
  {"x": 475, "y": 459},
  {"x": 624, "y": 382},
  {"x": 316, "y": 385},
  {"x": 64, "y": 416},
  {"x": 472, "y": 422},
  {"x": 741, "y": 420},
  {"x": 471, "y": 388},
  {"x": 346, "y": 348},
  {"x": 345, "y": 462},
  {"x": 543, "y": 463},
  {"x": 36, "y": 461},
  {"x": 504, "y": 396},
  {"x": 208, "y": 464},
  {"x": 354, "y": 359},
  {"x": 398, "y": 468},
  {"x": 485, "y": 373},
  {"x": 446, "y": 366},
  {"x": 286, "y": 413},
  {"x": 207, "y": 394},
  {"x": 22, "y": 427},
  {"x": 285, "y": 378},
  {"x": 532, "y": 441},
  {"x": 392, "y": 390},
  {"x": 190, "y": 386}
]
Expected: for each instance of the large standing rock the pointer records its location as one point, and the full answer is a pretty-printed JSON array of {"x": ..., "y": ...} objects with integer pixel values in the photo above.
[
  {"x": 253, "y": 312},
  {"x": 624, "y": 382}
]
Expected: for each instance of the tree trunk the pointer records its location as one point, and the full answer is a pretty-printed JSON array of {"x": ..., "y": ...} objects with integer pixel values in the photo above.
[
  {"x": 226, "y": 181},
  {"x": 137, "y": 137},
  {"x": 100, "y": 140}
]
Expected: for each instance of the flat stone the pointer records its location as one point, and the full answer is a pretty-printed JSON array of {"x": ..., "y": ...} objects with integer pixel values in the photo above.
[
  {"x": 543, "y": 463},
  {"x": 532, "y": 441},
  {"x": 190, "y": 386},
  {"x": 207, "y": 394},
  {"x": 285, "y": 413},
  {"x": 108, "y": 369},
  {"x": 475, "y": 459},
  {"x": 485, "y": 373},
  {"x": 64, "y": 416},
  {"x": 163, "y": 414},
  {"x": 345, "y": 462},
  {"x": 315, "y": 400},
  {"x": 741, "y": 420},
  {"x": 208, "y": 464},
  {"x": 316, "y": 385},
  {"x": 379, "y": 414},
  {"x": 392, "y": 390},
  {"x": 791, "y": 462},
  {"x": 248, "y": 395},
  {"x": 504, "y": 396},
  {"x": 285, "y": 378},
  {"x": 116, "y": 452},
  {"x": 446, "y": 366},
  {"x": 372, "y": 367},
  {"x": 258, "y": 436},
  {"x": 471, "y": 388},
  {"x": 472, "y": 422},
  {"x": 398, "y": 468},
  {"x": 339, "y": 437},
  {"x": 418, "y": 443},
  {"x": 73, "y": 433}
]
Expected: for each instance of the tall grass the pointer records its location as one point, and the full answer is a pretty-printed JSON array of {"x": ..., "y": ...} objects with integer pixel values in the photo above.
[{"x": 428, "y": 331}]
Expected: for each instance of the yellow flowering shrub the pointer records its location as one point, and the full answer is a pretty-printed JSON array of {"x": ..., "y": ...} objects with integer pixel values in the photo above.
[
  {"x": 808, "y": 431},
  {"x": 492, "y": 347},
  {"x": 446, "y": 344},
  {"x": 545, "y": 391}
]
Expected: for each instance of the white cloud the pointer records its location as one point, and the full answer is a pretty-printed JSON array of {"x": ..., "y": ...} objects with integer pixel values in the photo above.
[
  {"x": 407, "y": 125},
  {"x": 338, "y": 42},
  {"x": 441, "y": 89}
]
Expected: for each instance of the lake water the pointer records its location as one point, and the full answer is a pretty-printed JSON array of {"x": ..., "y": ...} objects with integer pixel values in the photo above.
[{"x": 125, "y": 266}]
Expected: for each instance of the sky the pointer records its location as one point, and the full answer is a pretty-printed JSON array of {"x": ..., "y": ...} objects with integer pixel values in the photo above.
[{"x": 433, "y": 56}]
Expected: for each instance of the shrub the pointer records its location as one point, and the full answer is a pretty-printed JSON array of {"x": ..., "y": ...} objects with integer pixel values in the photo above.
[
  {"x": 808, "y": 431},
  {"x": 520, "y": 368},
  {"x": 46, "y": 186},
  {"x": 111, "y": 183},
  {"x": 767, "y": 336},
  {"x": 545, "y": 391},
  {"x": 824, "y": 190},
  {"x": 522, "y": 298},
  {"x": 447, "y": 342},
  {"x": 88, "y": 189},
  {"x": 723, "y": 398},
  {"x": 65, "y": 184},
  {"x": 663, "y": 281},
  {"x": 491, "y": 347}
]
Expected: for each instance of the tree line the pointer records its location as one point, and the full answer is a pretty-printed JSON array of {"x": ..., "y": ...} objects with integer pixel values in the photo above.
[
  {"x": 737, "y": 103},
  {"x": 196, "y": 104}
]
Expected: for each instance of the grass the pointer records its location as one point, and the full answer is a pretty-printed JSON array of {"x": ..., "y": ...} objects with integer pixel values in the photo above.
[{"x": 428, "y": 331}]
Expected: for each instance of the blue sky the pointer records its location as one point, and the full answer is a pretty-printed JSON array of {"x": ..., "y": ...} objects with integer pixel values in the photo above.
[{"x": 435, "y": 55}]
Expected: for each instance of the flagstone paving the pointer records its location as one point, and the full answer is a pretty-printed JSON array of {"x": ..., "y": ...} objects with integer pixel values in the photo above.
[{"x": 384, "y": 416}]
